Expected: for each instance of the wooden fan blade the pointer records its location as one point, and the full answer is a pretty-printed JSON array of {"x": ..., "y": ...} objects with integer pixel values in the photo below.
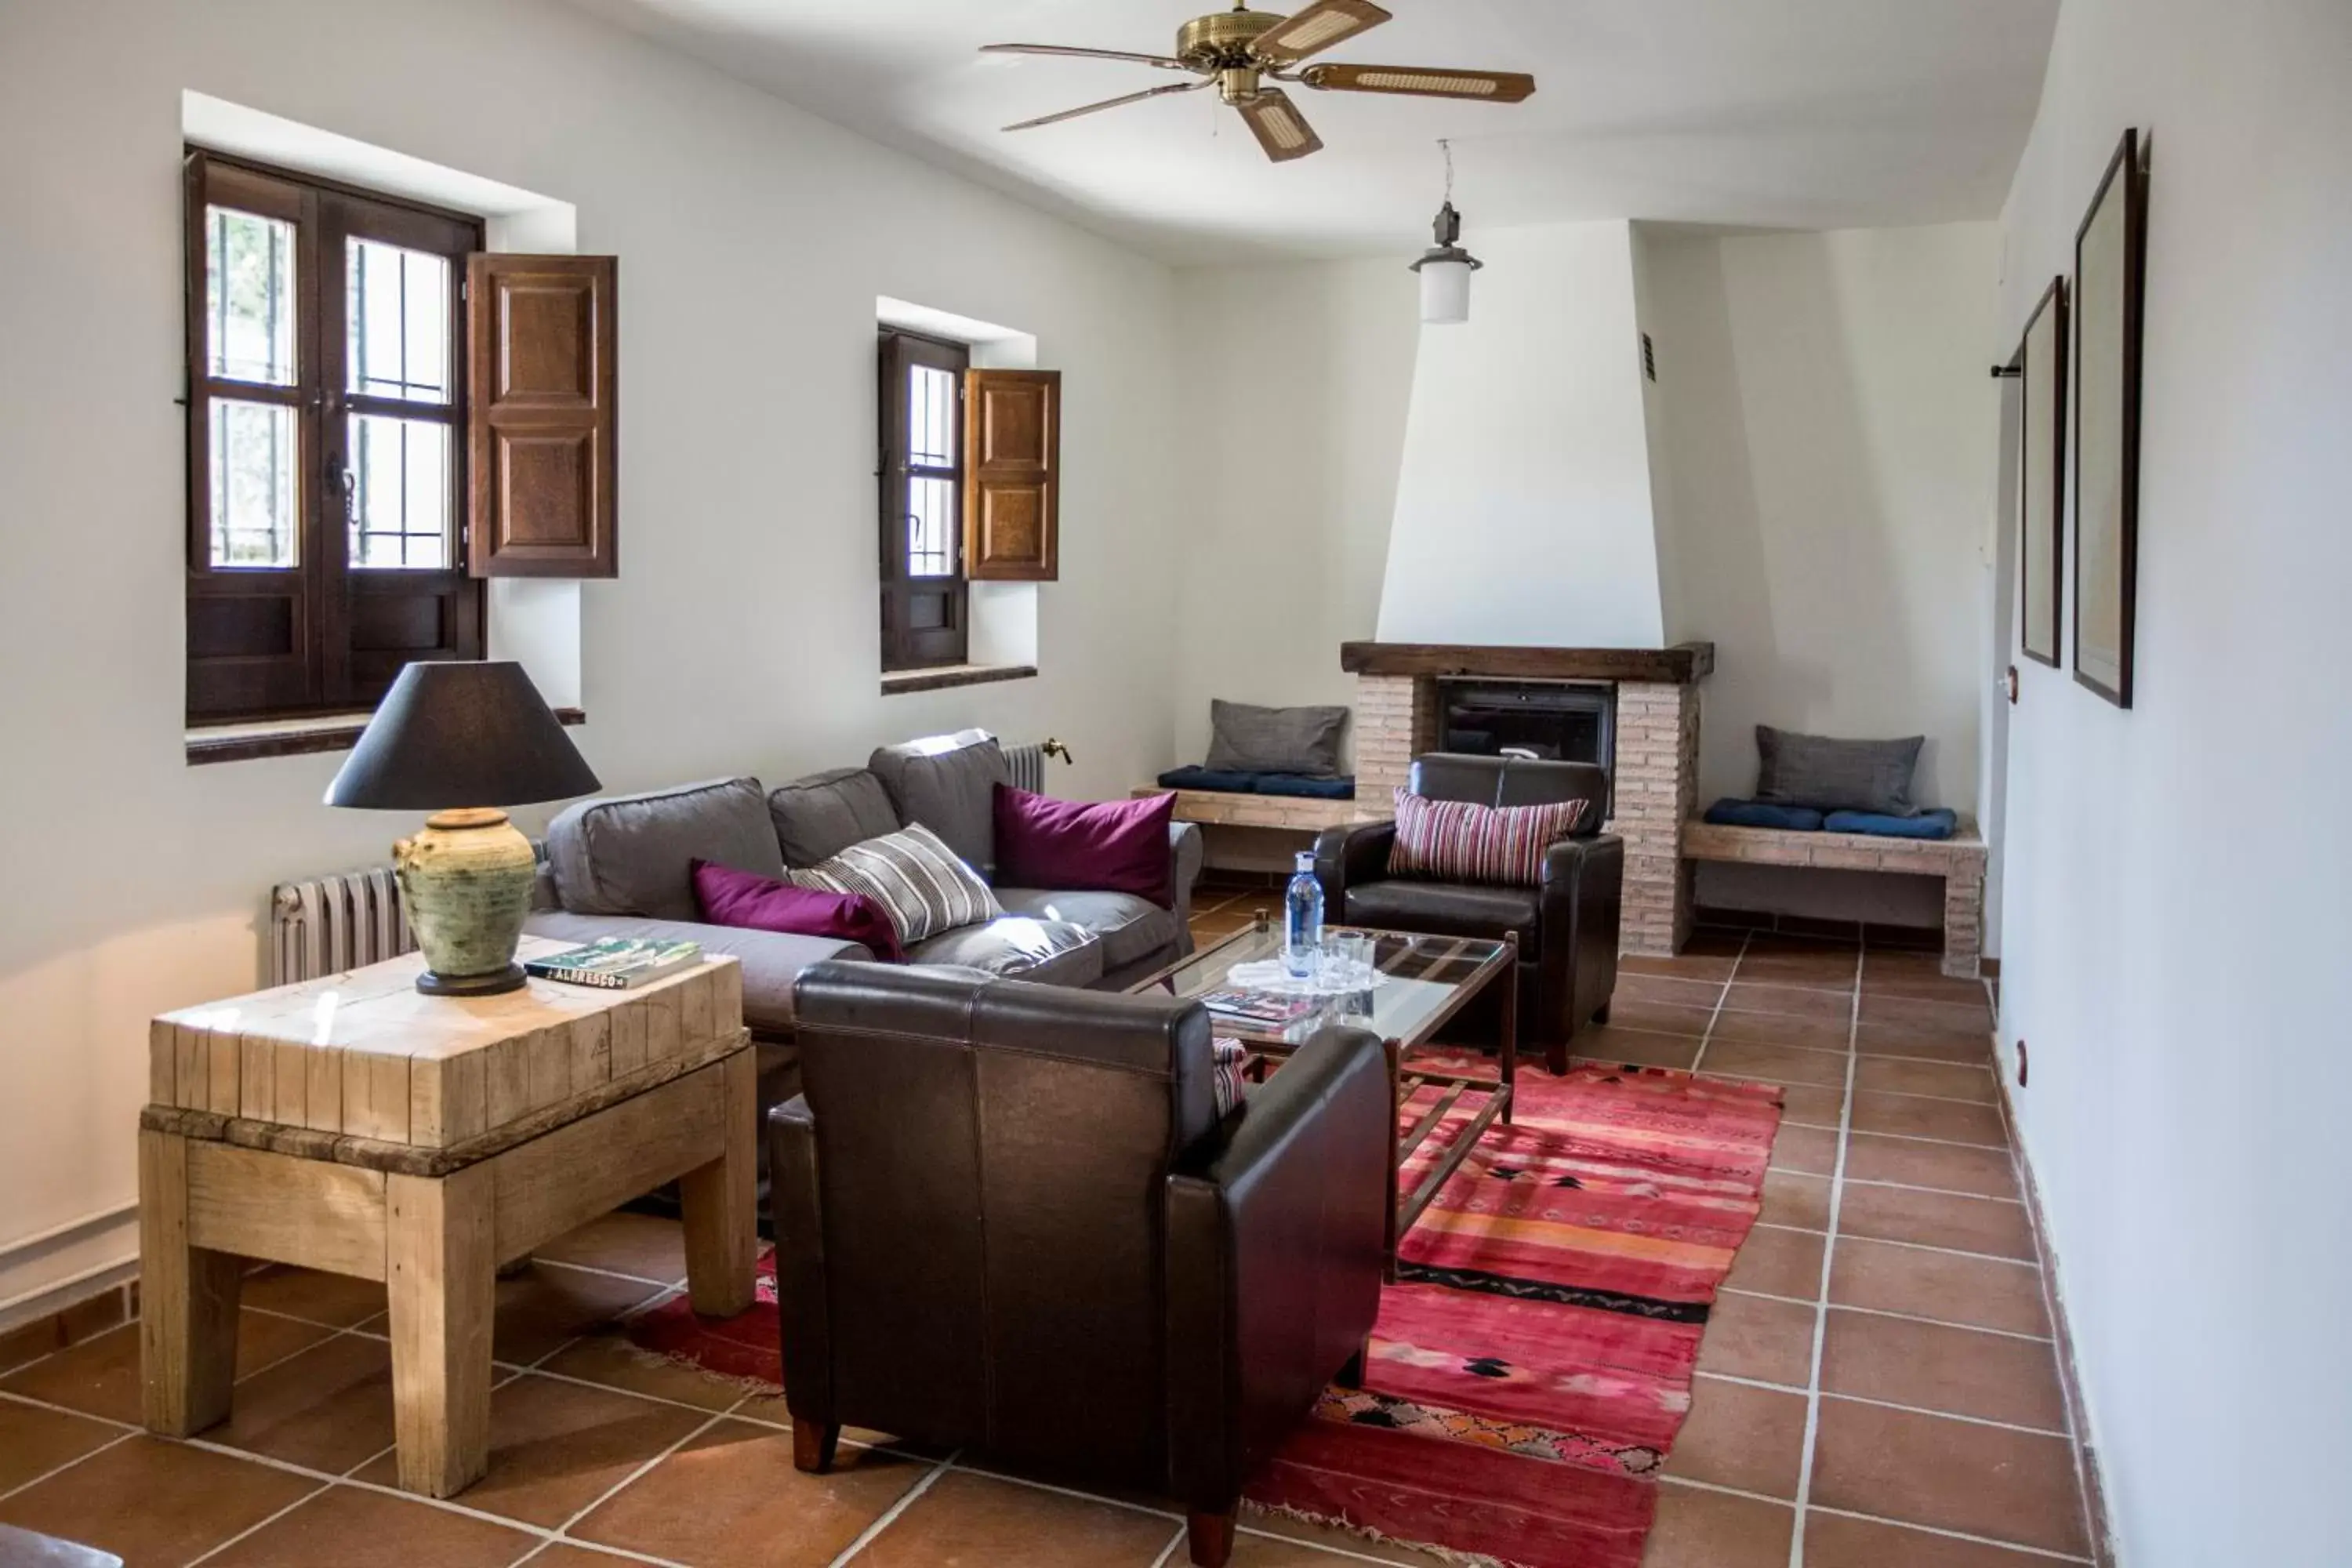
[
  {"x": 1279, "y": 126},
  {"x": 1422, "y": 82},
  {"x": 1316, "y": 28},
  {"x": 1165, "y": 62},
  {"x": 1112, "y": 103}
]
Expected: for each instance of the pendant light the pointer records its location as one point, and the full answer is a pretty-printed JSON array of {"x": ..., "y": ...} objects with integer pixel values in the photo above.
[{"x": 1446, "y": 267}]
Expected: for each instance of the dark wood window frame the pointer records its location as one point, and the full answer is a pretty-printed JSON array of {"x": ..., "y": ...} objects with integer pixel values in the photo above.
[
  {"x": 324, "y": 636},
  {"x": 926, "y": 620}
]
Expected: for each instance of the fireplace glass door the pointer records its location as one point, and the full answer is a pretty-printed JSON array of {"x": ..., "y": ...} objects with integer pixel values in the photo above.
[{"x": 1546, "y": 720}]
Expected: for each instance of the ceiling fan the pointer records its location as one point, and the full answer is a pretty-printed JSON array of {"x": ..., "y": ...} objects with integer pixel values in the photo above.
[{"x": 1239, "y": 51}]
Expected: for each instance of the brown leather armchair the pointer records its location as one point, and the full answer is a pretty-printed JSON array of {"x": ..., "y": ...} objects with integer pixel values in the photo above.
[
  {"x": 1008, "y": 1217},
  {"x": 1567, "y": 923}
]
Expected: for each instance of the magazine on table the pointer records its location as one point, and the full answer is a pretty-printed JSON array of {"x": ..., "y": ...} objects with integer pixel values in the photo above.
[
  {"x": 614, "y": 962},
  {"x": 1258, "y": 1006}
]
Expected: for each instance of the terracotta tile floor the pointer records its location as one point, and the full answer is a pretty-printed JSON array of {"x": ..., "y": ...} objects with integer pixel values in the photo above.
[
  {"x": 1877, "y": 1386},
  {"x": 1880, "y": 1369}
]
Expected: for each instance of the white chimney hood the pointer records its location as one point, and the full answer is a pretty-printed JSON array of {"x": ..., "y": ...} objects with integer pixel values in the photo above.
[{"x": 1523, "y": 513}]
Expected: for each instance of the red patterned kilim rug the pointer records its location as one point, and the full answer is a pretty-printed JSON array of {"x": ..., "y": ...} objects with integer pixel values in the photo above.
[{"x": 1532, "y": 1364}]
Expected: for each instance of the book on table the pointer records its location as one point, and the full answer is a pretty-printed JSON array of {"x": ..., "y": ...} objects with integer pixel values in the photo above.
[{"x": 615, "y": 962}]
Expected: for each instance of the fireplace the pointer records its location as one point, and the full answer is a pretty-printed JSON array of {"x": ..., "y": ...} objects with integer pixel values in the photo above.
[
  {"x": 1553, "y": 722},
  {"x": 1632, "y": 710}
]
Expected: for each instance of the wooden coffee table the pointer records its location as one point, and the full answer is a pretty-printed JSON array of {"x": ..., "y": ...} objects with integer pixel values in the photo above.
[
  {"x": 354, "y": 1125},
  {"x": 1431, "y": 979}
]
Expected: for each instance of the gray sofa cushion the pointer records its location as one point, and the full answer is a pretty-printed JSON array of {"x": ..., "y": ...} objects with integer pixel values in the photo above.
[
  {"x": 1048, "y": 951},
  {"x": 773, "y": 961},
  {"x": 948, "y": 783},
  {"x": 819, "y": 816},
  {"x": 1828, "y": 775},
  {"x": 1129, "y": 928},
  {"x": 630, "y": 854},
  {"x": 1246, "y": 738}
]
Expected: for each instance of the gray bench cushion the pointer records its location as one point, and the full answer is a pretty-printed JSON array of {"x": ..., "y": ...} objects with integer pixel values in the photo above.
[
  {"x": 1247, "y": 739},
  {"x": 819, "y": 816},
  {"x": 1051, "y": 953},
  {"x": 1129, "y": 928},
  {"x": 630, "y": 854},
  {"x": 773, "y": 961},
  {"x": 948, "y": 783},
  {"x": 1831, "y": 775}
]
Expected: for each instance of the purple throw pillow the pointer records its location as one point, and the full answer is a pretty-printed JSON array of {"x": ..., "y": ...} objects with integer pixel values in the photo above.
[
  {"x": 1069, "y": 845},
  {"x": 750, "y": 902}
]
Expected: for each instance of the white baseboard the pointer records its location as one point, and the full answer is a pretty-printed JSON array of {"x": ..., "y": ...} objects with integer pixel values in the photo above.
[{"x": 46, "y": 1273}]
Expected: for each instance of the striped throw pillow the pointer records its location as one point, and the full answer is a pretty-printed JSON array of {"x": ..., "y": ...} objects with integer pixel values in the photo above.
[
  {"x": 1462, "y": 841},
  {"x": 916, "y": 881},
  {"x": 1227, "y": 1058}
]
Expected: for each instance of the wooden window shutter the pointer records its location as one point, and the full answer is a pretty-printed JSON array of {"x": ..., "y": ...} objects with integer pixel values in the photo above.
[
  {"x": 540, "y": 339},
  {"x": 1012, "y": 443}
]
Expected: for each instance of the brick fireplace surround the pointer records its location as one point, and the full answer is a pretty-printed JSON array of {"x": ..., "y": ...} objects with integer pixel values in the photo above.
[{"x": 1657, "y": 770}]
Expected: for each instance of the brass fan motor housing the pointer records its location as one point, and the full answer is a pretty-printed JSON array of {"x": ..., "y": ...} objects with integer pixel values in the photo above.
[{"x": 1222, "y": 39}]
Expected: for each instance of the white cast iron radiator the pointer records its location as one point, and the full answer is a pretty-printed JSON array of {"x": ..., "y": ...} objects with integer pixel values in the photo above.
[
  {"x": 332, "y": 924},
  {"x": 1028, "y": 763}
]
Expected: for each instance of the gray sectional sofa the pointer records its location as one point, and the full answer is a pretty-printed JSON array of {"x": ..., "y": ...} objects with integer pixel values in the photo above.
[{"x": 619, "y": 866}]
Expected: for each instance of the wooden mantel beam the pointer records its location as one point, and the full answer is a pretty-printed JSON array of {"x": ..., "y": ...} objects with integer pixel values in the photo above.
[{"x": 1681, "y": 665}]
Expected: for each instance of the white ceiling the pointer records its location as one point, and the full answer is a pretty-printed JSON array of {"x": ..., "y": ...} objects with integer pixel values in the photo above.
[{"x": 1768, "y": 113}]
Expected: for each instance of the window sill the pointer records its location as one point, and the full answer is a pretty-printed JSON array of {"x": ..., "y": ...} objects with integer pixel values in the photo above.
[
  {"x": 294, "y": 737},
  {"x": 946, "y": 675}
]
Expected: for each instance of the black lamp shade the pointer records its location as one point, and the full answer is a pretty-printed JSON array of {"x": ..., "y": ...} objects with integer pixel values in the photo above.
[{"x": 460, "y": 733}]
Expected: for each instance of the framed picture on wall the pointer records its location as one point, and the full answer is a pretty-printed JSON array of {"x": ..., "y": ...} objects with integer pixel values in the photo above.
[
  {"x": 2110, "y": 277},
  {"x": 2041, "y": 475}
]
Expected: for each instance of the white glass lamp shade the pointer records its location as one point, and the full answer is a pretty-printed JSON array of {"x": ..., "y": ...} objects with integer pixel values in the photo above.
[{"x": 1445, "y": 291}]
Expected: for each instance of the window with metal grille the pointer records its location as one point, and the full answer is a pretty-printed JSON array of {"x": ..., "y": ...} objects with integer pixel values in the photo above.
[
  {"x": 326, "y": 362},
  {"x": 924, "y": 597}
]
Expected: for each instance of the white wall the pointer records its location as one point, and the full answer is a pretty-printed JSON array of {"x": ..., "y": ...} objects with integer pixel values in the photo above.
[
  {"x": 1807, "y": 484},
  {"x": 741, "y": 634},
  {"x": 2176, "y": 909},
  {"x": 1523, "y": 502},
  {"x": 1292, "y": 387},
  {"x": 1829, "y": 438}
]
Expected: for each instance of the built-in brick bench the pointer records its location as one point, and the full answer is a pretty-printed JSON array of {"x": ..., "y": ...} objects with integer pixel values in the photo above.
[
  {"x": 1227, "y": 808},
  {"x": 1960, "y": 861}
]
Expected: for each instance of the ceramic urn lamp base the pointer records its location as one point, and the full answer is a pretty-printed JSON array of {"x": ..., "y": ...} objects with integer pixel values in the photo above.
[{"x": 466, "y": 881}]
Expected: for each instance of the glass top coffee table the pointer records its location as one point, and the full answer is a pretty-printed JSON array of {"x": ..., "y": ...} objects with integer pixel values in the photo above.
[{"x": 1430, "y": 979}]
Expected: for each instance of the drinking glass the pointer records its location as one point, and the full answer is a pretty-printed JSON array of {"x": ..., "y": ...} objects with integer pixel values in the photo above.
[
  {"x": 1331, "y": 963},
  {"x": 1349, "y": 959}
]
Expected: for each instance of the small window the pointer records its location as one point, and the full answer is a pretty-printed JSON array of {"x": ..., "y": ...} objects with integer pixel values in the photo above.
[
  {"x": 925, "y": 602},
  {"x": 325, "y": 444}
]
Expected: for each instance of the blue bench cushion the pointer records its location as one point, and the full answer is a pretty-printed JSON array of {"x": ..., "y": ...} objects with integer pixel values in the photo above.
[
  {"x": 1341, "y": 788},
  {"x": 1940, "y": 822},
  {"x": 1229, "y": 781},
  {"x": 1763, "y": 813},
  {"x": 1209, "y": 778}
]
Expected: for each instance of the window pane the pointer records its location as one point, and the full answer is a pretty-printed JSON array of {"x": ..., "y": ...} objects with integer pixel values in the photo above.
[
  {"x": 399, "y": 316},
  {"x": 930, "y": 417},
  {"x": 248, "y": 297},
  {"x": 930, "y": 547},
  {"x": 400, "y": 493},
  {"x": 253, "y": 498}
]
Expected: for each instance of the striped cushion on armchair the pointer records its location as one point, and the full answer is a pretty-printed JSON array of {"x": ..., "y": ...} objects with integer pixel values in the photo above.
[{"x": 1462, "y": 841}]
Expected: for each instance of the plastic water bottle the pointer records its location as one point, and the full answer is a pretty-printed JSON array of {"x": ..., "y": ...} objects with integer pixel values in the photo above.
[{"x": 1302, "y": 921}]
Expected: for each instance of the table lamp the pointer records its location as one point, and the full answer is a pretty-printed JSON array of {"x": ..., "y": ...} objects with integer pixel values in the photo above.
[{"x": 461, "y": 739}]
